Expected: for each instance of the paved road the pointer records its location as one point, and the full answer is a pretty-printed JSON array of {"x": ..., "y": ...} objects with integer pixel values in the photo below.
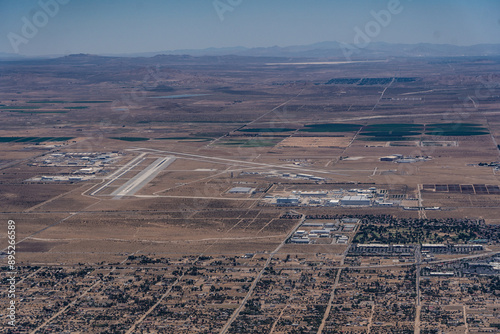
[
  {"x": 330, "y": 302},
  {"x": 335, "y": 284},
  {"x": 418, "y": 261}
]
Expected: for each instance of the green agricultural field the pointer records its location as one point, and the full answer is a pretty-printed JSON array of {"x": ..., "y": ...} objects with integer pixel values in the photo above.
[
  {"x": 41, "y": 139},
  {"x": 393, "y": 127},
  {"x": 400, "y": 131},
  {"x": 267, "y": 130},
  {"x": 39, "y": 111},
  {"x": 130, "y": 138},
  {"x": 388, "y": 138},
  {"x": 193, "y": 139},
  {"x": 331, "y": 127},
  {"x": 391, "y": 132},
  {"x": 9, "y": 139},
  {"x": 48, "y": 101},
  {"x": 455, "y": 129},
  {"x": 19, "y": 107},
  {"x": 90, "y": 101},
  {"x": 61, "y": 138},
  {"x": 458, "y": 133},
  {"x": 26, "y": 139},
  {"x": 61, "y": 101},
  {"x": 451, "y": 126},
  {"x": 32, "y": 139}
]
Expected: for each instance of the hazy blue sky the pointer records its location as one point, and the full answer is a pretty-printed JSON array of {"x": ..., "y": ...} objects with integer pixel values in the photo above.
[{"x": 124, "y": 26}]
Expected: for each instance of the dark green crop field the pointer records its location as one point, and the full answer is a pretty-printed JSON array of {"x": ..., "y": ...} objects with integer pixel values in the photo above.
[
  {"x": 130, "y": 138},
  {"x": 267, "y": 130},
  {"x": 331, "y": 127}
]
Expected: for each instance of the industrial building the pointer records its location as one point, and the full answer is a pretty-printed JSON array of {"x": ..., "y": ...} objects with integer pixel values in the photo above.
[
  {"x": 385, "y": 249},
  {"x": 313, "y": 193},
  {"x": 312, "y": 224},
  {"x": 343, "y": 239},
  {"x": 382, "y": 203},
  {"x": 89, "y": 170},
  {"x": 300, "y": 240},
  {"x": 406, "y": 160},
  {"x": 491, "y": 268},
  {"x": 465, "y": 249},
  {"x": 240, "y": 190},
  {"x": 321, "y": 232},
  {"x": 360, "y": 200},
  {"x": 441, "y": 273},
  {"x": 333, "y": 198},
  {"x": 348, "y": 227},
  {"x": 441, "y": 248},
  {"x": 332, "y": 202},
  {"x": 310, "y": 177},
  {"x": 434, "y": 248},
  {"x": 287, "y": 201}
]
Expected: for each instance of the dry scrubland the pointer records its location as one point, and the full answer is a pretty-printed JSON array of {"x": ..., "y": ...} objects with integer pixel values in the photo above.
[{"x": 185, "y": 255}]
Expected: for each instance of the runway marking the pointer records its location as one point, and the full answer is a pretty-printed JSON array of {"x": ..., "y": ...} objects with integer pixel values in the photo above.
[
  {"x": 116, "y": 175},
  {"x": 143, "y": 178}
]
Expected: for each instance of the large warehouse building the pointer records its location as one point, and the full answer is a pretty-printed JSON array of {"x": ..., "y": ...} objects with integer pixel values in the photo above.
[
  {"x": 287, "y": 201},
  {"x": 355, "y": 200}
]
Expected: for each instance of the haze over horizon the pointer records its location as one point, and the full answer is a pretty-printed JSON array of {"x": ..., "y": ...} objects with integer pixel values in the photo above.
[{"x": 132, "y": 26}]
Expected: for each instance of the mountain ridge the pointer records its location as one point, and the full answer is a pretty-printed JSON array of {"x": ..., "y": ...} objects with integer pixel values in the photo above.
[{"x": 320, "y": 50}]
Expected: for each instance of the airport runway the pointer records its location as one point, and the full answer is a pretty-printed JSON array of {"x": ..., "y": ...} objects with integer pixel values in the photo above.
[
  {"x": 142, "y": 178},
  {"x": 120, "y": 172}
]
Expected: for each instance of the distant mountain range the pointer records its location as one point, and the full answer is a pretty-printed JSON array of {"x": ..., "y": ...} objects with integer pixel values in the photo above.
[
  {"x": 324, "y": 50},
  {"x": 10, "y": 56},
  {"x": 338, "y": 50}
]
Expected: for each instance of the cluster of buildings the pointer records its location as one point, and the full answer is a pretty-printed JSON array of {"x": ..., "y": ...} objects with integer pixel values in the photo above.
[
  {"x": 381, "y": 249},
  {"x": 399, "y": 158},
  {"x": 241, "y": 190},
  {"x": 341, "y": 197},
  {"x": 386, "y": 249},
  {"x": 304, "y": 176},
  {"x": 483, "y": 268},
  {"x": 449, "y": 248},
  {"x": 311, "y": 231},
  {"x": 287, "y": 175},
  {"x": 488, "y": 268},
  {"x": 83, "y": 165},
  {"x": 77, "y": 159},
  {"x": 306, "y": 237},
  {"x": 60, "y": 178}
]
